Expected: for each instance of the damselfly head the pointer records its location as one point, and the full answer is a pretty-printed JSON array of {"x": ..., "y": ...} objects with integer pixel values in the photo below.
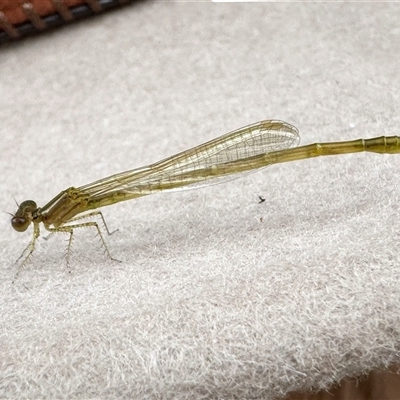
[{"x": 23, "y": 217}]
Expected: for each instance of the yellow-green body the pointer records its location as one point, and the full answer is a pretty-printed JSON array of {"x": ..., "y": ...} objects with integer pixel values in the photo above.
[{"x": 249, "y": 148}]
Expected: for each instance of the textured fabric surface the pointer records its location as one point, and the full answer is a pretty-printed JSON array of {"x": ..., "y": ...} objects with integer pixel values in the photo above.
[{"x": 216, "y": 295}]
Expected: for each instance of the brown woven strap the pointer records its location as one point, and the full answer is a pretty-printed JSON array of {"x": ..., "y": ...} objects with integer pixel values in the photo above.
[{"x": 19, "y": 18}]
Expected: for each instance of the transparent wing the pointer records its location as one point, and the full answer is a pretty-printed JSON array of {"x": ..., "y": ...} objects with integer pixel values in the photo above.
[{"x": 215, "y": 161}]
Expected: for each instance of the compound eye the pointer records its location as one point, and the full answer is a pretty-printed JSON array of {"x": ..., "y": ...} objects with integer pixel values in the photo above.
[{"x": 20, "y": 224}]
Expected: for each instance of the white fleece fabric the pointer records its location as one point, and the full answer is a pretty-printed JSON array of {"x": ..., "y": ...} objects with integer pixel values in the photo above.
[{"x": 216, "y": 296}]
